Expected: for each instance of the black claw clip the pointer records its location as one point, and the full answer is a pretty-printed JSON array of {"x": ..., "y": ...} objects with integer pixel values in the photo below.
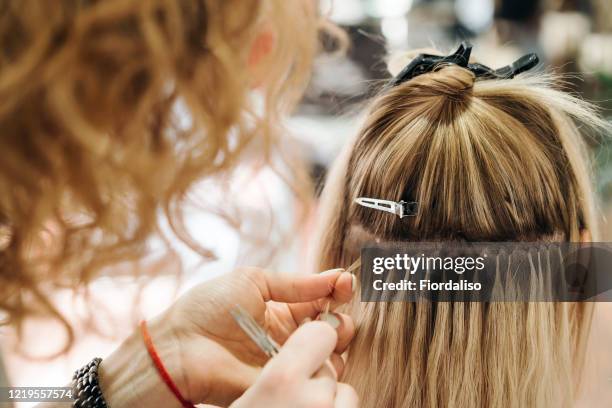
[{"x": 424, "y": 63}]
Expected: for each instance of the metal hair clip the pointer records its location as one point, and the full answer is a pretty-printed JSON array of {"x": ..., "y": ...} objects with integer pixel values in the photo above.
[
  {"x": 424, "y": 63},
  {"x": 401, "y": 209}
]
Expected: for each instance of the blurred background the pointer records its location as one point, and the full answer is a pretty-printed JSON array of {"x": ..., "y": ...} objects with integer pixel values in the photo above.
[{"x": 571, "y": 37}]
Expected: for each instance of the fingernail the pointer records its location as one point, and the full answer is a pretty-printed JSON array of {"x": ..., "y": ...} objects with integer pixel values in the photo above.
[
  {"x": 331, "y": 319},
  {"x": 306, "y": 320},
  {"x": 332, "y": 271},
  {"x": 353, "y": 283}
]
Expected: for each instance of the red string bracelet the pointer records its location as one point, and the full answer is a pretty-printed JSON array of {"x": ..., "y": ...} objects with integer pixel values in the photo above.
[{"x": 163, "y": 373}]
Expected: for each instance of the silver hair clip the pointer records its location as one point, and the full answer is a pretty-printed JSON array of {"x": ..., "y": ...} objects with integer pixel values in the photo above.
[
  {"x": 401, "y": 209},
  {"x": 255, "y": 331}
]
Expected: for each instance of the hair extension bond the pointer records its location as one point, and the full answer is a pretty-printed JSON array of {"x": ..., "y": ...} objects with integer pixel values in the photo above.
[{"x": 491, "y": 159}]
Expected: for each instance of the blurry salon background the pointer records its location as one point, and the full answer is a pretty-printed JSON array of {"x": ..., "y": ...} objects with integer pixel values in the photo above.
[{"x": 251, "y": 218}]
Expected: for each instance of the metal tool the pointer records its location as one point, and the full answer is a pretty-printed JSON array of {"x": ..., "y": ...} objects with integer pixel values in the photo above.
[{"x": 259, "y": 336}]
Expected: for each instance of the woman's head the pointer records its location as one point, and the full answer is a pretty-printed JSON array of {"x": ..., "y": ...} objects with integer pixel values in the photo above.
[
  {"x": 111, "y": 109},
  {"x": 486, "y": 160}
]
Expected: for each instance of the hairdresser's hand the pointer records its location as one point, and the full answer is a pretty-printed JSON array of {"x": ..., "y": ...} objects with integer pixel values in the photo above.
[
  {"x": 279, "y": 302},
  {"x": 297, "y": 377},
  {"x": 206, "y": 353}
]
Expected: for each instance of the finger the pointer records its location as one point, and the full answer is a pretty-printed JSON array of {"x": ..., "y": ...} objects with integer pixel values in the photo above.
[
  {"x": 346, "y": 397},
  {"x": 319, "y": 392},
  {"x": 290, "y": 288},
  {"x": 327, "y": 370},
  {"x": 343, "y": 323},
  {"x": 345, "y": 330},
  {"x": 344, "y": 287},
  {"x": 337, "y": 362},
  {"x": 342, "y": 293},
  {"x": 306, "y": 350}
]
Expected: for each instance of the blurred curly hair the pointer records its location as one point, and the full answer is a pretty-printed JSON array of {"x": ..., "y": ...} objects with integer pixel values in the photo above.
[{"x": 91, "y": 146}]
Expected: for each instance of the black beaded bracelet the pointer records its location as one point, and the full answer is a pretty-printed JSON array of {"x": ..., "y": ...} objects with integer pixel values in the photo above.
[{"x": 85, "y": 387}]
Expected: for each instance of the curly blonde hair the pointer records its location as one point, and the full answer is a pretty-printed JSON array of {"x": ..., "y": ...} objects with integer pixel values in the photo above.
[{"x": 92, "y": 148}]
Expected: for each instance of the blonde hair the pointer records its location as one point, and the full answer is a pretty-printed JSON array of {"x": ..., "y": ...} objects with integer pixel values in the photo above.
[
  {"x": 94, "y": 144},
  {"x": 486, "y": 160}
]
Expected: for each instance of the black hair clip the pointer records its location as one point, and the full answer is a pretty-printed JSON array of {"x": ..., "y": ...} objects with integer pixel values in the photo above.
[{"x": 424, "y": 63}]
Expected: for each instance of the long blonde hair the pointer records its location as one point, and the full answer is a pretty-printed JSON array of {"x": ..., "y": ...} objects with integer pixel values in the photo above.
[{"x": 487, "y": 160}]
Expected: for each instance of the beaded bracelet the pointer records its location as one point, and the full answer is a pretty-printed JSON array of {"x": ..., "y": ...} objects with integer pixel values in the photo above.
[{"x": 85, "y": 387}]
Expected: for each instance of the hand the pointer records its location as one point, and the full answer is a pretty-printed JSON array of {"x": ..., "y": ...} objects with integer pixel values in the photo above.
[
  {"x": 208, "y": 356},
  {"x": 297, "y": 378},
  {"x": 278, "y": 302}
]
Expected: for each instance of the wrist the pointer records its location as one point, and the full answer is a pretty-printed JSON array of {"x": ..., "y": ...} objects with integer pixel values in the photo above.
[
  {"x": 202, "y": 369},
  {"x": 129, "y": 378},
  {"x": 212, "y": 374}
]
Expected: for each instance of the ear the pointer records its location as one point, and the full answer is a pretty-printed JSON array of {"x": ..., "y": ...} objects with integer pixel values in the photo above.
[
  {"x": 585, "y": 236},
  {"x": 261, "y": 48}
]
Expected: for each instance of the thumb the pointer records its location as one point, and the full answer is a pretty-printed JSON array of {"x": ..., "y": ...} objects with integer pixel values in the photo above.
[
  {"x": 292, "y": 288},
  {"x": 306, "y": 351}
]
